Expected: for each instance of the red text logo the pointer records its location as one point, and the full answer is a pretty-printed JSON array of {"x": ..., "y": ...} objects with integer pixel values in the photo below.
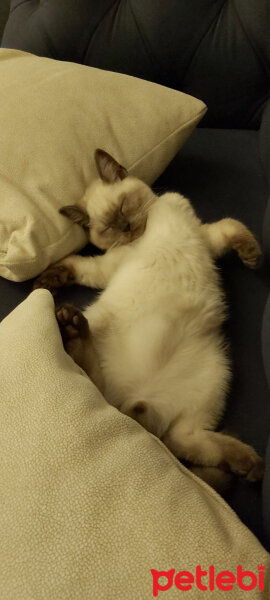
[{"x": 208, "y": 580}]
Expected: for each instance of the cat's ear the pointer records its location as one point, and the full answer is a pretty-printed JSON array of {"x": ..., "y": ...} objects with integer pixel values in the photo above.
[
  {"x": 76, "y": 214},
  {"x": 109, "y": 169}
]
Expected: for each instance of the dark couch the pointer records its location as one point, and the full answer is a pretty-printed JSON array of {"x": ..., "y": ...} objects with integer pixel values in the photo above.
[
  {"x": 4, "y": 10},
  {"x": 218, "y": 51}
]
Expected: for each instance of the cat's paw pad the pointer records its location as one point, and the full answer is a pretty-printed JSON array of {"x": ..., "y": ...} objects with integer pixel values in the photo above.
[
  {"x": 55, "y": 277},
  {"x": 72, "y": 323},
  {"x": 246, "y": 463},
  {"x": 249, "y": 252}
]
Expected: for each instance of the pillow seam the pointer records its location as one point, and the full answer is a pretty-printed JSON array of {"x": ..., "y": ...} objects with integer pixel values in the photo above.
[{"x": 186, "y": 124}]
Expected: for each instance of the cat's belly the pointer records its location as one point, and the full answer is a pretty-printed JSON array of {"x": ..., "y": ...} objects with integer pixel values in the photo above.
[
  {"x": 131, "y": 355},
  {"x": 161, "y": 345},
  {"x": 176, "y": 376}
]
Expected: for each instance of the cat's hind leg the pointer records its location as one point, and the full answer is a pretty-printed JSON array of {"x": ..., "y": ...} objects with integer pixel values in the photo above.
[
  {"x": 214, "y": 449},
  {"x": 230, "y": 234},
  {"x": 72, "y": 323},
  {"x": 76, "y": 336},
  {"x": 75, "y": 332}
]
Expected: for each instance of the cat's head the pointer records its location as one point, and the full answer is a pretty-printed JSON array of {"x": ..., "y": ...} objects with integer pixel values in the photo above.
[{"x": 114, "y": 208}]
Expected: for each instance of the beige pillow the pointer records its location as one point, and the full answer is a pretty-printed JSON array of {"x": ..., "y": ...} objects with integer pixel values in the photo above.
[
  {"x": 53, "y": 116},
  {"x": 89, "y": 501}
]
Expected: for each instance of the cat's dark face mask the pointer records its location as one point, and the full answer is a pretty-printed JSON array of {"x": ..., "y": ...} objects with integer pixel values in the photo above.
[{"x": 114, "y": 208}]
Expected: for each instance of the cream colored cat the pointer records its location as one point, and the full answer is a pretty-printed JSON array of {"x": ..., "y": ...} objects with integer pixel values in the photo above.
[{"x": 152, "y": 341}]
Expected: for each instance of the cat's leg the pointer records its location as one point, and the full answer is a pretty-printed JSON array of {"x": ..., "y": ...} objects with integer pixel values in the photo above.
[
  {"x": 91, "y": 271},
  {"x": 214, "y": 449},
  {"x": 230, "y": 234},
  {"x": 76, "y": 336}
]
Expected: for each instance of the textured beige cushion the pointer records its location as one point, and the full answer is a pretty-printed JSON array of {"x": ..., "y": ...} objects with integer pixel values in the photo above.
[
  {"x": 90, "y": 502},
  {"x": 53, "y": 116}
]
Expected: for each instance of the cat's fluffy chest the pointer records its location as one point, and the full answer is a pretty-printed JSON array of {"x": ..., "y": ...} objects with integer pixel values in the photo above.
[{"x": 168, "y": 268}]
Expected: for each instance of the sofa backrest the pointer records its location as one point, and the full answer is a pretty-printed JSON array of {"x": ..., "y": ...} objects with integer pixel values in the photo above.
[
  {"x": 216, "y": 50},
  {"x": 4, "y": 10}
]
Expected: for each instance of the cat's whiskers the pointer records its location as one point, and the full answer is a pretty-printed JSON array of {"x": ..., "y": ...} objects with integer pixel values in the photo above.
[
  {"x": 115, "y": 245},
  {"x": 147, "y": 205}
]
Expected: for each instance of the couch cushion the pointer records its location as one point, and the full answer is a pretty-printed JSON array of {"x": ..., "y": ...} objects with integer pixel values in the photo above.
[
  {"x": 265, "y": 153},
  {"x": 53, "y": 117},
  {"x": 266, "y": 483},
  {"x": 90, "y": 501},
  {"x": 216, "y": 50}
]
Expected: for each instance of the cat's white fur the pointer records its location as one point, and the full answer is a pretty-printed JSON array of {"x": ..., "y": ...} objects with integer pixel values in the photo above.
[{"x": 156, "y": 327}]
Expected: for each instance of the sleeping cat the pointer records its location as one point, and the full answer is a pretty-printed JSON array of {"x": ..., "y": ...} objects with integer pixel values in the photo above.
[{"x": 152, "y": 341}]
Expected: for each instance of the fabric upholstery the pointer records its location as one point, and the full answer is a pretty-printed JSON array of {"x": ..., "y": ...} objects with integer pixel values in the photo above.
[
  {"x": 266, "y": 497},
  {"x": 90, "y": 502},
  {"x": 266, "y": 483},
  {"x": 215, "y": 50},
  {"x": 4, "y": 11},
  {"x": 265, "y": 155},
  {"x": 53, "y": 117}
]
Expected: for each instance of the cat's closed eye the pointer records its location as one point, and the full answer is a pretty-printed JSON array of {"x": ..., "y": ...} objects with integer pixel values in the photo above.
[
  {"x": 107, "y": 229},
  {"x": 122, "y": 207},
  {"x": 114, "y": 227}
]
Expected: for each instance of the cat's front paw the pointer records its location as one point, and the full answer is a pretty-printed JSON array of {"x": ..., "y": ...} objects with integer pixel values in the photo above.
[
  {"x": 55, "y": 277},
  {"x": 72, "y": 323}
]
